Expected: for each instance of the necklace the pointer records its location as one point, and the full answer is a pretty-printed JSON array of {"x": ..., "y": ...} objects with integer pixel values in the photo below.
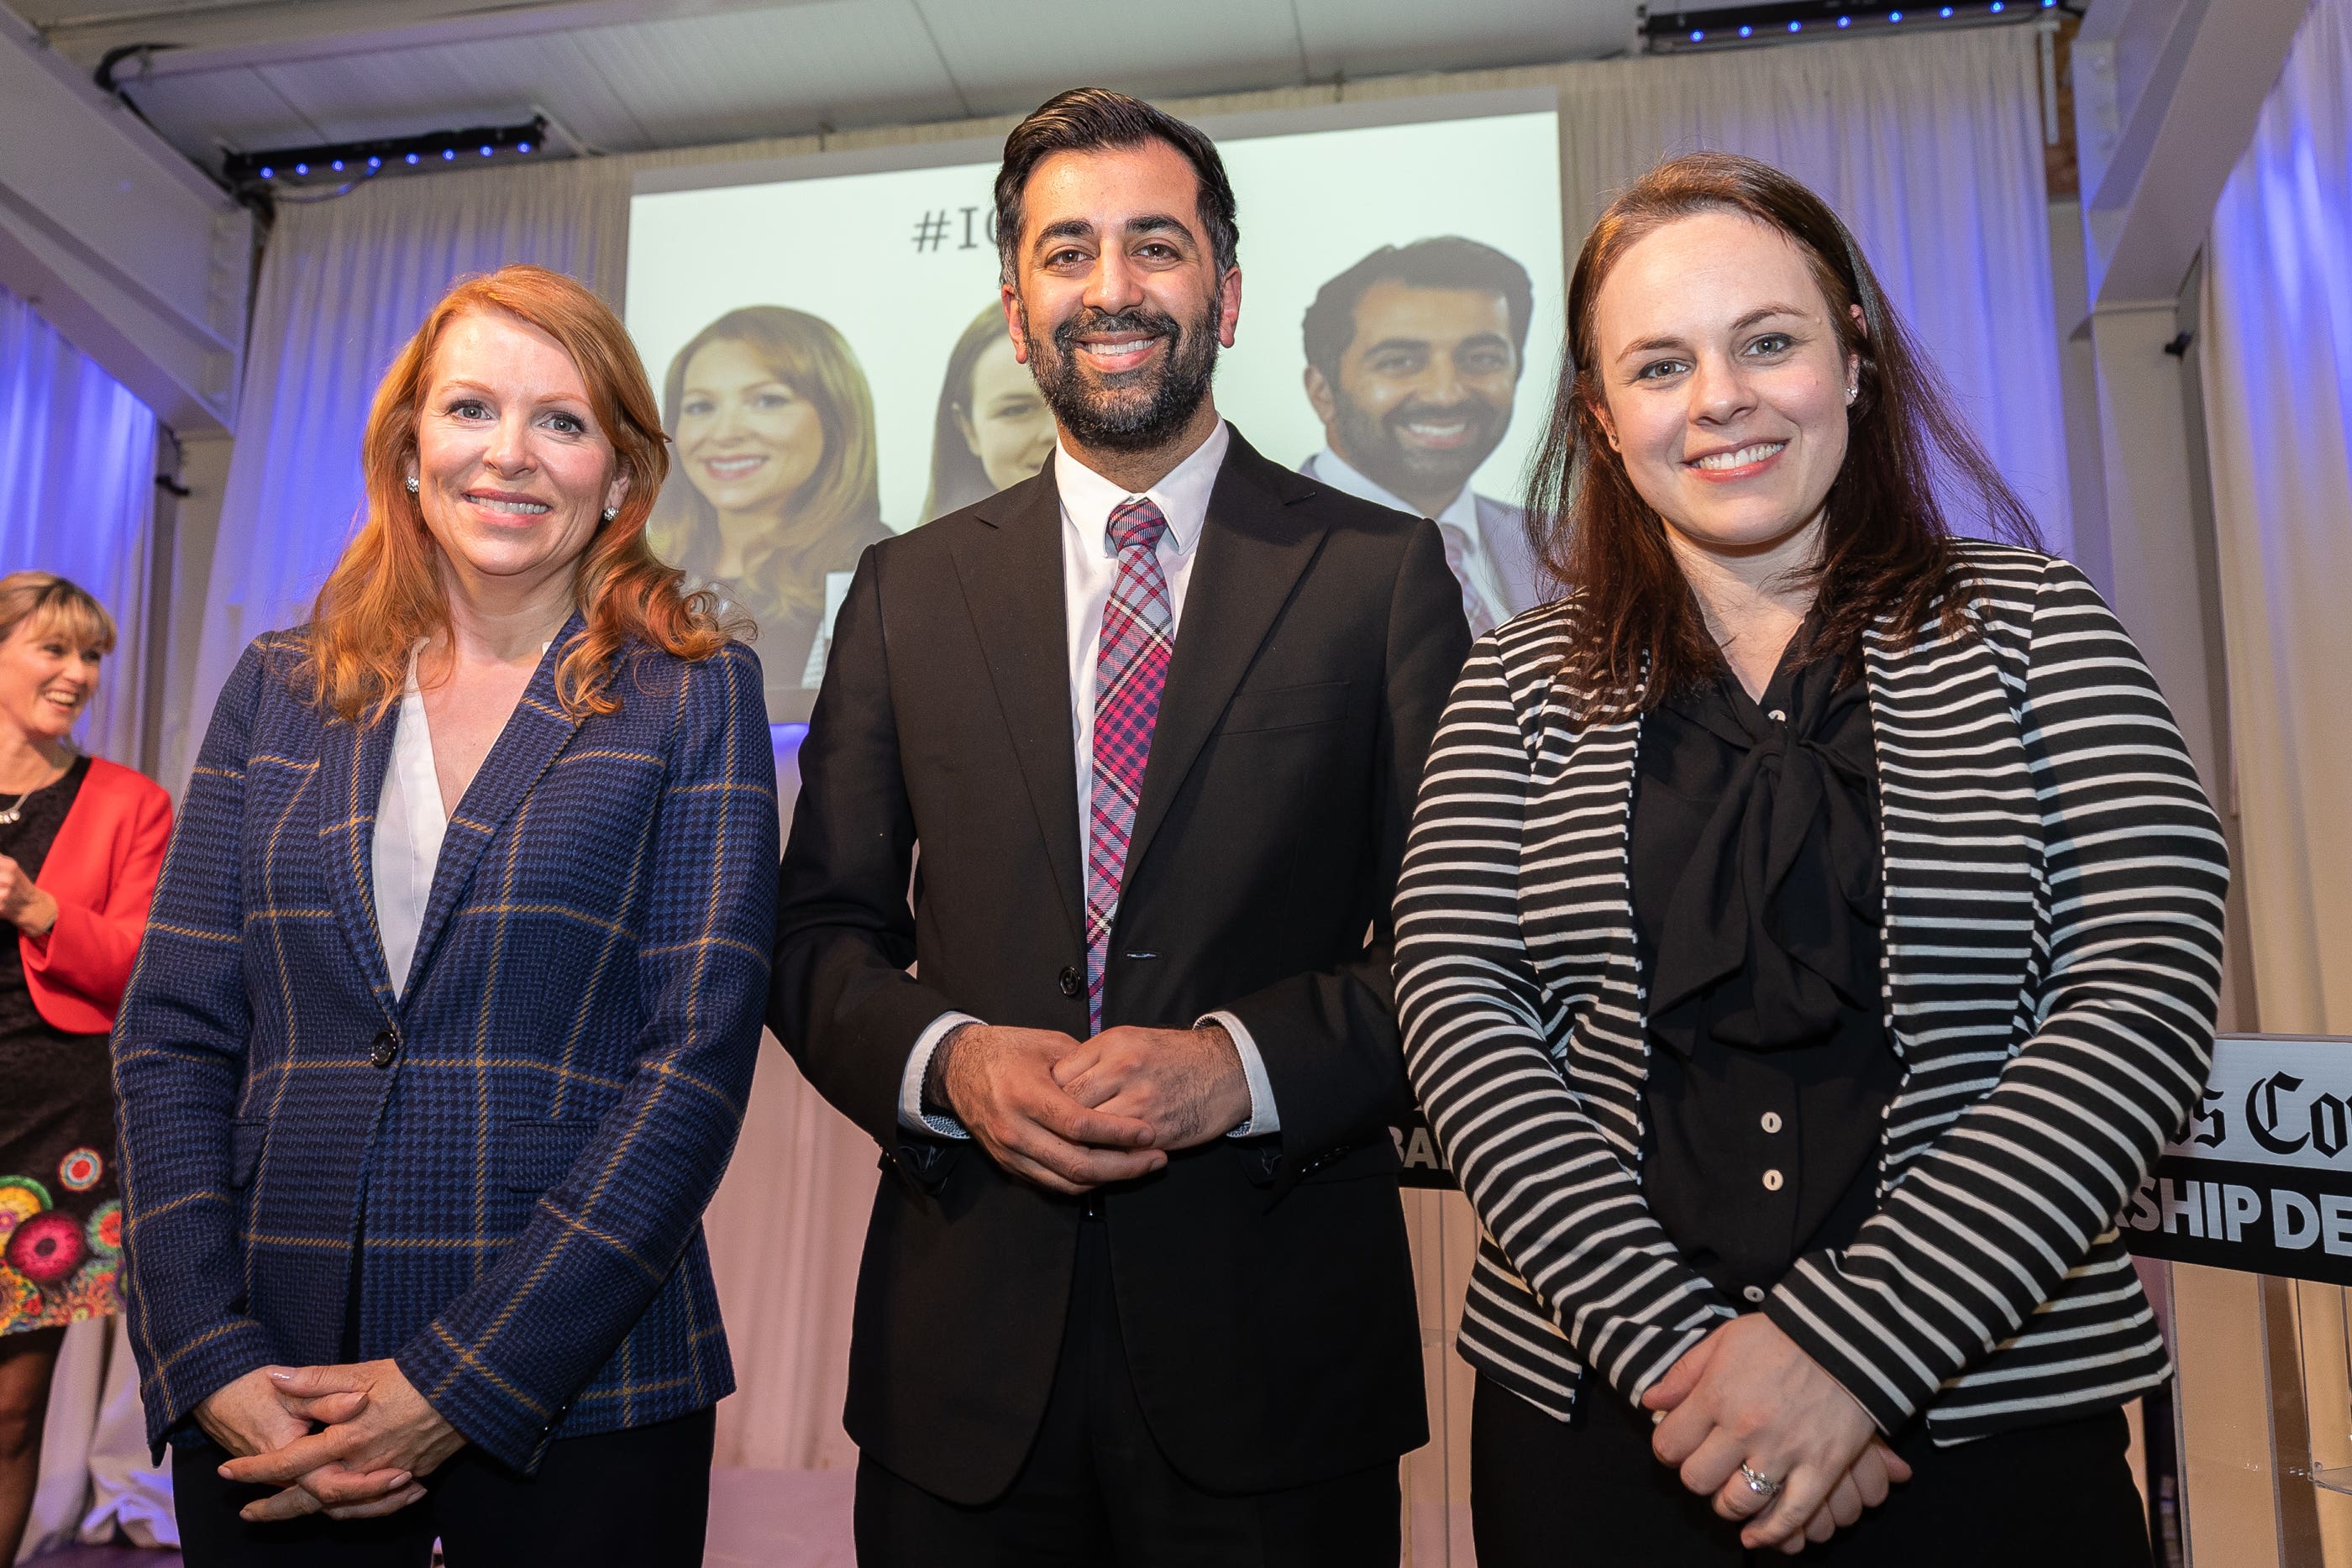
[{"x": 14, "y": 811}]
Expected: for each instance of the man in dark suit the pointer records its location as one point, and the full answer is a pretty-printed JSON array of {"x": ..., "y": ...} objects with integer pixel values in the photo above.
[
  {"x": 1414, "y": 360},
  {"x": 1136, "y": 1287}
]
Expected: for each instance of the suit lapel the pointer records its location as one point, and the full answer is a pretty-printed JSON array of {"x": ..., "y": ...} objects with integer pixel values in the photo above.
[
  {"x": 536, "y": 732},
  {"x": 1011, "y": 571},
  {"x": 352, "y": 763},
  {"x": 1253, "y": 553}
]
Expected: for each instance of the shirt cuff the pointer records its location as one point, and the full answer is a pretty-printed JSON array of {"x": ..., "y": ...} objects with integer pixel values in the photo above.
[
  {"x": 919, "y": 1066},
  {"x": 1263, "y": 1118}
]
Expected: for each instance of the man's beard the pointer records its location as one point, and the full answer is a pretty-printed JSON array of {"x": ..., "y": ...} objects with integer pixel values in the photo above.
[
  {"x": 1091, "y": 408},
  {"x": 1381, "y": 454}
]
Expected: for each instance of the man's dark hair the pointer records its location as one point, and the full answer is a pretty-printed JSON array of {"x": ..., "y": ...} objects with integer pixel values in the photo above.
[
  {"x": 1447, "y": 261},
  {"x": 1086, "y": 120}
]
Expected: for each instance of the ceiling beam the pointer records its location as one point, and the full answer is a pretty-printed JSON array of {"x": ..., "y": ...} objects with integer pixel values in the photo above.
[
  {"x": 2166, "y": 93},
  {"x": 234, "y": 33},
  {"x": 141, "y": 262}
]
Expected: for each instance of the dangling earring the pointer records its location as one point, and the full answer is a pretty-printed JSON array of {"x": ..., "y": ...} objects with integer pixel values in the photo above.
[{"x": 412, "y": 478}]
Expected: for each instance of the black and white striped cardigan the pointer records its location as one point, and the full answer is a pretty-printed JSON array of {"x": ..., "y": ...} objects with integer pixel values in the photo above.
[{"x": 2054, "y": 885}]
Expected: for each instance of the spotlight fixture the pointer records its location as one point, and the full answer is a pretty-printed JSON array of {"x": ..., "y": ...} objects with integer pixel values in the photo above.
[
  {"x": 1730, "y": 27},
  {"x": 343, "y": 164}
]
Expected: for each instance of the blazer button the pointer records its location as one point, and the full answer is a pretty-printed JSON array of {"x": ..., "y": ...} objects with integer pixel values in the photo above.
[
  {"x": 386, "y": 1047},
  {"x": 1068, "y": 981}
]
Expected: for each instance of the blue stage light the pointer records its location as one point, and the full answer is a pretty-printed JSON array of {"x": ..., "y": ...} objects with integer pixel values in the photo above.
[
  {"x": 522, "y": 146},
  {"x": 301, "y": 168},
  {"x": 486, "y": 152},
  {"x": 1895, "y": 16},
  {"x": 411, "y": 158},
  {"x": 1946, "y": 12},
  {"x": 267, "y": 172},
  {"x": 376, "y": 162},
  {"x": 1999, "y": 6},
  {"x": 337, "y": 165},
  {"x": 449, "y": 154},
  {"x": 1846, "y": 21},
  {"x": 1746, "y": 32},
  {"x": 1796, "y": 26}
]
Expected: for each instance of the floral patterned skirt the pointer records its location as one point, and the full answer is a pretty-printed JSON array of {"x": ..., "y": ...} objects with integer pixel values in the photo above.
[{"x": 61, "y": 1204}]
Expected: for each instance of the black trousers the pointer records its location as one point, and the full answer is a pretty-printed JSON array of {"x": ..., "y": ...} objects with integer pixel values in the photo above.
[
  {"x": 1590, "y": 1491},
  {"x": 1096, "y": 1491},
  {"x": 633, "y": 1498}
]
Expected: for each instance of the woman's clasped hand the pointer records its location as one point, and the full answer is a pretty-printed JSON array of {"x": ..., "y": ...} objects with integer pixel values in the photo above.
[
  {"x": 1747, "y": 1394},
  {"x": 352, "y": 1442}
]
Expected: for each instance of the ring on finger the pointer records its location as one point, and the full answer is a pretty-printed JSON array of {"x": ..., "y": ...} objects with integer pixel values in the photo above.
[{"x": 1758, "y": 1483}]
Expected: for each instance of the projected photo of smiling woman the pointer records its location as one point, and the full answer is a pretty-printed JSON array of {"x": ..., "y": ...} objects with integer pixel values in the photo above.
[
  {"x": 993, "y": 429},
  {"x": 774, "y": 495}
]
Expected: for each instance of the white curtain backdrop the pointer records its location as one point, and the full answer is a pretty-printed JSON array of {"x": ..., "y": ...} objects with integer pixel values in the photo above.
[
  {"x": 1930, "y": 147},
  {"x": 78, "y": 497},
  {"x": 2276, "y": 363}
]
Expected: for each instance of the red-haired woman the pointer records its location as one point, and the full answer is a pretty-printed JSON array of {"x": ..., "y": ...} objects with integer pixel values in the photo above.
[
  {"x": 447, "y": 1011},
  {"x": 1810, "y": 932},
  {"x": 81, "y": 841}
]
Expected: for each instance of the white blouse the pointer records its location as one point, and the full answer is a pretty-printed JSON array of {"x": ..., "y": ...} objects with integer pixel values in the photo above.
[{"x": 410, "y": 822}]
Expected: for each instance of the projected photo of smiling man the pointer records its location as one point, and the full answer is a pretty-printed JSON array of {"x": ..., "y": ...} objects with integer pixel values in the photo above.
[
  {"x": 774, "y": 494},
  {"x": 1414, "y": 357}
]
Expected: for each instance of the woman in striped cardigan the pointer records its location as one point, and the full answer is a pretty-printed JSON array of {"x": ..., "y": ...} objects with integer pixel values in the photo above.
[{"x": 1810, "y": 932}]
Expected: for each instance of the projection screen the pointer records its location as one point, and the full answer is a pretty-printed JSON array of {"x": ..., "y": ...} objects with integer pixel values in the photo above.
[{"x": 827, "y": 339}]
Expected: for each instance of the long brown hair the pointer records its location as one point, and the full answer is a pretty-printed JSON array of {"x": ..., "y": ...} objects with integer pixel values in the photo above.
[
  {"x": 840, "y": 502},
  {"x": 385, "y": 593},
  {"x": 1888, "y": 554}
]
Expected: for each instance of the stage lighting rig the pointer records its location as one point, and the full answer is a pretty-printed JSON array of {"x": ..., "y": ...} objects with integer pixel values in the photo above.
[
  {"x": 345, "y": 163},
  {"x": 1736, "y": 26}
]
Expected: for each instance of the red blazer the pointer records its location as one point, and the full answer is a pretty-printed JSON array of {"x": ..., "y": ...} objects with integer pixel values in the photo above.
[{"x": 101, "y": 871}]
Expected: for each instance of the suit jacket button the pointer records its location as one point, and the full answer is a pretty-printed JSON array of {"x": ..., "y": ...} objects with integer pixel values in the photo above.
[
  {"x": 1068, "y": 981},
  {"x": 386, "y": 1047}
]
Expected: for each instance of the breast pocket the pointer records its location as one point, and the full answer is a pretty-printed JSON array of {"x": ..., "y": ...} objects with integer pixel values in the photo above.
[{"x": 1287, "y": 707}]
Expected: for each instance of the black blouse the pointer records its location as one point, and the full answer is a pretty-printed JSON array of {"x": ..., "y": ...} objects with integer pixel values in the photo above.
[
  {"x": 26, "y": 841},
  {"x": 1755, "y": 864}
]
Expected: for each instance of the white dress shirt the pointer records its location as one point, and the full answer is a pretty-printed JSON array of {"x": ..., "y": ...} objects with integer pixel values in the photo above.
[
  {"x": 1089, "y": 571},
  {"x": 410, "y": 823},
  {"x": 1459, "y": 519}
]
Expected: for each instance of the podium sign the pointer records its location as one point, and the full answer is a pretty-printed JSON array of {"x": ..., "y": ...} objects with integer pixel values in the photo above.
[{"x": 2260, "y": 1179}]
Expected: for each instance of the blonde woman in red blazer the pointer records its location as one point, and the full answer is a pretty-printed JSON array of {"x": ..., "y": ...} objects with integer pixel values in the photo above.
[{"x": 81, "y": 842}]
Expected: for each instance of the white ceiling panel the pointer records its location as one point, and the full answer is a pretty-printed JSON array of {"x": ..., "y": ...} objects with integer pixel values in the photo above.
[
  {"x": 361, "y": 98},
  {"x": 628, "y": 74},
  {"x": 1008, "y": 56},
  {"x": 1383, "y": 39},
  {"x": 781, "y": 72}
]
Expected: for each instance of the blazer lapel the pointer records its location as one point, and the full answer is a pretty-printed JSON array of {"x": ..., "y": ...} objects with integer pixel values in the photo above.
[
  {"x": 1253, "y": 553},
  {"x": 536, "y": 732},
  {"x": 1010, "y": 572},
  {"x": 1942, "y": 805},
  {"x": 352, "y": 763}
]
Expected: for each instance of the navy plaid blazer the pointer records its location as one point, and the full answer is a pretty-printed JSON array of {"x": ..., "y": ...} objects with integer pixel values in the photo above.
[{"x": 522, "y": 1143}]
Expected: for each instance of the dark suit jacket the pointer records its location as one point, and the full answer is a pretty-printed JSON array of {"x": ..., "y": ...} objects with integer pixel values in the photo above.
[
  {"x": 1264, "y": 1285},
  {"x": 531, "y": 1131}
]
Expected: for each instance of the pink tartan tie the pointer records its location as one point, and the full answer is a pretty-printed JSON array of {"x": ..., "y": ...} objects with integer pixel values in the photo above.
[
  {"x": 1130, "y": 669},
  {"x": 1457, "y": 550}
]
